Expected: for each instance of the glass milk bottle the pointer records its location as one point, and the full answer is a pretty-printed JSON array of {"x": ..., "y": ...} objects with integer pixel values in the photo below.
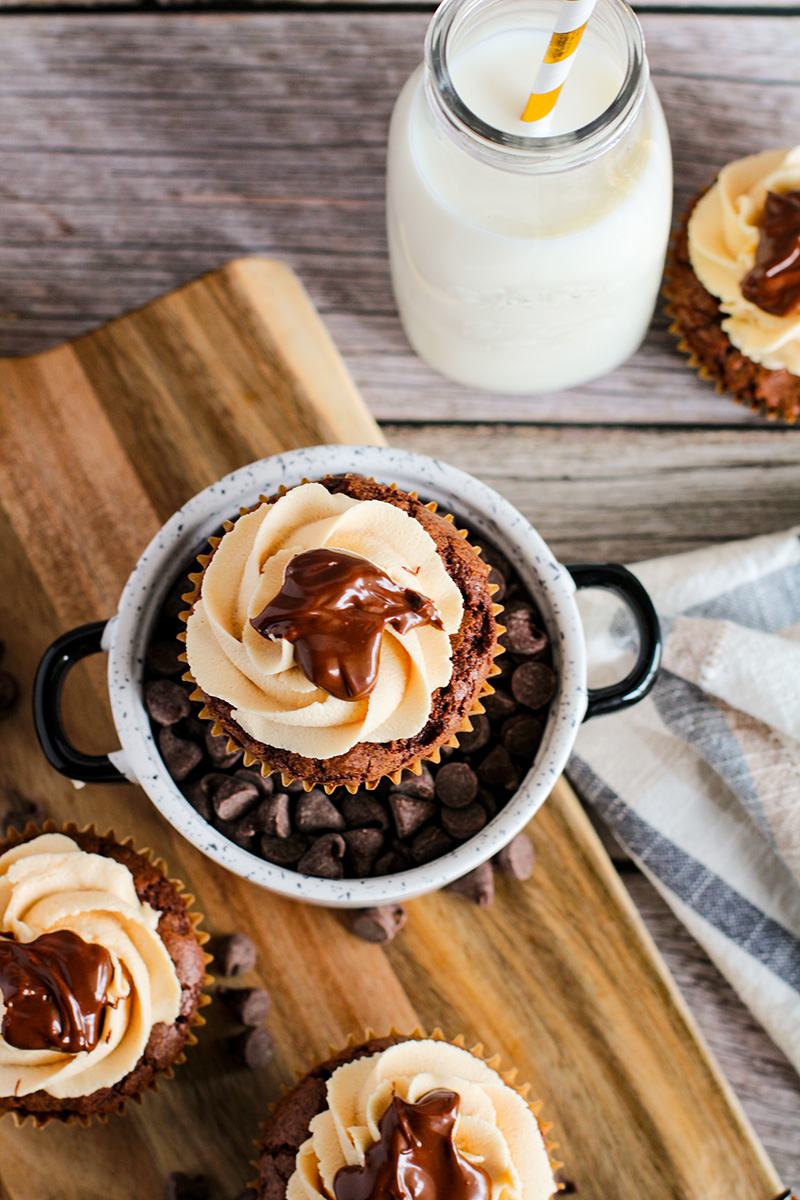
[{"x": 527, "y": 264}]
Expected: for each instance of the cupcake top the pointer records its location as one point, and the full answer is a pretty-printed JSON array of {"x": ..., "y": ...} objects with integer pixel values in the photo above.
[
  {"x": 325, "y": 621},
  {"x": 744, "y": 247},
  {"x": 84, "y": 974},
  {"x": 422, "y": 1118}
]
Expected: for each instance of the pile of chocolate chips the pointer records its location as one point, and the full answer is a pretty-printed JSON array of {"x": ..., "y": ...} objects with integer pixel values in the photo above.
[{"x": 396, "y": 826}]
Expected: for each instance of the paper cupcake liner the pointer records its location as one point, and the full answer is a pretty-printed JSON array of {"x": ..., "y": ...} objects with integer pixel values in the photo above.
[
  {"x": 702, "y": 369},
  {"x": 14, "y": 838},
  {"x": 414, "y": 765},
  {"x": 494, "y": 1061}
]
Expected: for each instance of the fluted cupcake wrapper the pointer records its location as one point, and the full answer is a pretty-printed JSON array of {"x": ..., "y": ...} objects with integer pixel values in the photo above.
[
  {"x": 39, "y": 1120},
  {"x": 677, "y": 329},
  {"x": 354, "y": 1042},
  {"x": 414, "y": 764}
]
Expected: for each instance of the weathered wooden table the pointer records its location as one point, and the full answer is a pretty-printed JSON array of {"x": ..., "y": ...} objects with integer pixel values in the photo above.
[{"x": 139, "y": 148}]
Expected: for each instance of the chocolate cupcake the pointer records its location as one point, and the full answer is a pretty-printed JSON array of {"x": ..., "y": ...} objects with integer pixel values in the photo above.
[
  {"x": 341, "y": 632},
  {"x": 733, "y": 282},
  {"x": 401, "y": 1109},
  {"x": 101, "y": 975}
]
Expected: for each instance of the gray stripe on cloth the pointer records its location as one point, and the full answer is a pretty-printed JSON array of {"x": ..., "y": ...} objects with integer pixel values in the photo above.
[
  {"x": 693, "y": 716},
  {"x": 692, "y": 882},
  {"x": 770, "y": 603}
]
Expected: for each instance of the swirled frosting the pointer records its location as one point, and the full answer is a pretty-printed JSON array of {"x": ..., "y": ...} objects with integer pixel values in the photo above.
[
  {"x": 271, "y": 698},
  {"x": 495, "y": 1128},
  {"x": 50, "y": 884},
  {"x": 723, "y": 238}
]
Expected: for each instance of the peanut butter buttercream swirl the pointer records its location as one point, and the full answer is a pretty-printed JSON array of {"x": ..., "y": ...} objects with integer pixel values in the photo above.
[
  {"x": 724, "y": 231},
  {"x": 272, "y": 699},
  {"x": 495, "y": 1129},
  {"x": 49, "y": 885}
]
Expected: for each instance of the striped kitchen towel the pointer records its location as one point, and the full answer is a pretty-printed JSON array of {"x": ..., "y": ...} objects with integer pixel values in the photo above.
[{"x": 701, "y": 781}]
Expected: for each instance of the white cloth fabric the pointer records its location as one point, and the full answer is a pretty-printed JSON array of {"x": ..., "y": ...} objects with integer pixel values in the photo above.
[{"x": 701, "y": 781}]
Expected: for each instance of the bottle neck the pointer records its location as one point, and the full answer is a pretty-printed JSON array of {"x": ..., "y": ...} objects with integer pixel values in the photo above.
[{"x": 457, "y": 24}]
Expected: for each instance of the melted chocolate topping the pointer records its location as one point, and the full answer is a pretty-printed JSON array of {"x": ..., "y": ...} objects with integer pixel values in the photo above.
[
  {"x": 416, "y": 1157},
  {"x": 334, "y": 606},
  {"x": 55, "y": 990},
  {"x": 774, "y": 282}
]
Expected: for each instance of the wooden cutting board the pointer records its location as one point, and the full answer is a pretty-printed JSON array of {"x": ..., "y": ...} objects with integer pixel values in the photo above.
[{"x": 100, "y": 441}]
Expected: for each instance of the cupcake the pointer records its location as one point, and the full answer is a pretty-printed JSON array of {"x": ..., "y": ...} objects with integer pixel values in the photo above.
[
  {"x": 341, "y": 632},
  {"x": 101, "y": 975},
  {"x": 405, "y": 1116},
  {"x": 733, "y": 282}
]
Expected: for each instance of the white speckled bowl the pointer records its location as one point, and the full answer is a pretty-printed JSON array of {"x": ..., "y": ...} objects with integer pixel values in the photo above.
[{"x": 125, "y": 637}]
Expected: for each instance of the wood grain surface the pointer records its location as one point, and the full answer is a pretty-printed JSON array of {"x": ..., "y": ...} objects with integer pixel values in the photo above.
[
  {"x": 559, "y": 975},
  {"x": 140, "y": 150}
]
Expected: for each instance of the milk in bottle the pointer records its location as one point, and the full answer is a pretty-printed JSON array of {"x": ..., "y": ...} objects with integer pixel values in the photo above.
[{"x": 527, "y": 264}]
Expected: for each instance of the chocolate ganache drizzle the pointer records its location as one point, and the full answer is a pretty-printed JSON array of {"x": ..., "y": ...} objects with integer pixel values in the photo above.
[
  {"x": 416, "y": 1157},
  {"x": 334, "y": 606},
  {"x": 55, "y": 992},
  {"x": 773, "y": 284}
]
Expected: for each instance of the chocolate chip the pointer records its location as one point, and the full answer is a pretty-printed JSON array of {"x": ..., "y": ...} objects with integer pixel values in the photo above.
[
  {"x": 315, "y": 812},
  {"x": 233, "y": 797},
  {"x": 324, "y": 857},
  {"x": 163, "y": 658},
  {"x": 9, "y": 692},
  {"x": 255, "y": 1048},
  {"x": 456, "y": 785},
  {"x": 195, "y": 727},
  {"x": 498, "y": 562},
  {"x": 477, "y": 885},
  {"x": 283, "y": 852},
  {"x": 378, "y": 925},
  {"x": 199, "y": 797},
  {"x": 272, "y": 816},
  {"x": 186, "y": 1187},
  {"x": 516, "y": 859},
  {"x": 409, "y": 814},
  {"x": 237, "y": 832},
  {"x": 497, "y": 770},
  {"x": 522, "y": 635},
  {"x": 496, "y": 578},
  {"x": 294, "y": 787},
  {"x": 429, "y": 844},
  {"x": 253, "y": 775},
  {"x": 419, "y": 786},
  {"x": 180, "y": 757},
  {"x": 499, "y": 705},
  {"x": 166, "y": 701},
  {"x": 487, "y": 803},
  {"x": 235, "y": 954},
  {"x": 392, "y": 863},
  {"x": 22, "y": 814},
  {"x": 470, "y": 741},
  {"x": 522, "y": 735},
  {"x": 362, "y": 810},
  {"x": 248, "y": 1005},
  {"x": 363, "y": 847},
  {"x": 464, "y": 822},
  {"x": 533, "y": 684},
  {"x": 217, "y": 747}
]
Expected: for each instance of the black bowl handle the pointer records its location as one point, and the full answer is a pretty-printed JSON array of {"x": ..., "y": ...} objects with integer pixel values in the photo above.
[
  {"x": 56, "y": 663},
  {"x": 638, "y": 682}
]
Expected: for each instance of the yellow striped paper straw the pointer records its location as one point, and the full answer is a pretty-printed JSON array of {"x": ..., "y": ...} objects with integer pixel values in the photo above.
[{"x": 557, "y": 61}]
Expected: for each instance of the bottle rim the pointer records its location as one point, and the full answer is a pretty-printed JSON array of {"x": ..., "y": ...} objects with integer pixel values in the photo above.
[{"x": 532, "y": 154}]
